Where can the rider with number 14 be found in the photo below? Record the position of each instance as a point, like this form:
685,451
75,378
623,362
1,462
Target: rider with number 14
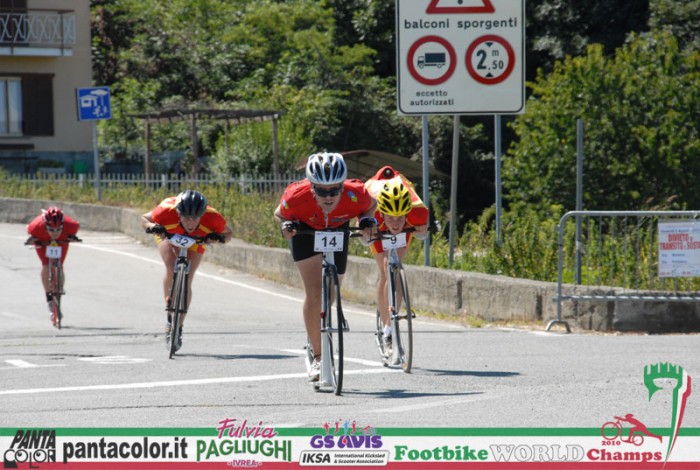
325,199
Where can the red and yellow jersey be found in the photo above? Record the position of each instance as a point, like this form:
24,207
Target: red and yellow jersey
419,214
166,215
37,229
298,204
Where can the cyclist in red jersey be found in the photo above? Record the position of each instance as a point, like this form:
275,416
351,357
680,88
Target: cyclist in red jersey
398,208
185,214
325,199
51,225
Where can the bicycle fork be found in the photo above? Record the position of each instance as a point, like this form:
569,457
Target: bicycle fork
394,317
326,351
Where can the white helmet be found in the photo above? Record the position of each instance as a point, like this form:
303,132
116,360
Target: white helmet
326,168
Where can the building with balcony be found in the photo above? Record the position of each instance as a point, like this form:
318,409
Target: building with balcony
44,58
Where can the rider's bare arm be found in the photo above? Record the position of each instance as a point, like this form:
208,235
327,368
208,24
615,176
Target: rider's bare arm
147,221
31,240
421,232
228,234
368,229
288,231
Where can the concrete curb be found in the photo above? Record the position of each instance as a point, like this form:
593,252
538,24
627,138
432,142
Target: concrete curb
451,293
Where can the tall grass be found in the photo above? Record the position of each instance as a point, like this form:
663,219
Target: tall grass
528,248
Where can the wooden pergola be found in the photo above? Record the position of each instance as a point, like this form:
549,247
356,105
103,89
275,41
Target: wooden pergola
193,115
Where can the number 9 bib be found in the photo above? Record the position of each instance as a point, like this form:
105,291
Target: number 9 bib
395,241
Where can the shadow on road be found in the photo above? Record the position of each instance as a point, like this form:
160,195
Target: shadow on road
461,373
228,357
401,393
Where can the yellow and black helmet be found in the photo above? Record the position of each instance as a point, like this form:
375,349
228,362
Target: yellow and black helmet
394,199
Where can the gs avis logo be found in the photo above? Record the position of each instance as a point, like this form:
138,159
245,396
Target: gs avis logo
347,436
32,446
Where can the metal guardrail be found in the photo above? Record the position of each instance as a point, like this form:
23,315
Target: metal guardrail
619,258
245,183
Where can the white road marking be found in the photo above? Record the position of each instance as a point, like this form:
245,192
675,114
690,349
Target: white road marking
345,359
249,287
20,364
199,273
24,318
114,360
179,383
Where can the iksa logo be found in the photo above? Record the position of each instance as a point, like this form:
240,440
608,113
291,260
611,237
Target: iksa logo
347,436
32,446
630,430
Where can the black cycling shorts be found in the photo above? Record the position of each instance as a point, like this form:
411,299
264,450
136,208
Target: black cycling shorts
302,247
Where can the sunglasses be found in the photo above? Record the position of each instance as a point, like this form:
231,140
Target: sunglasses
55,229
320,192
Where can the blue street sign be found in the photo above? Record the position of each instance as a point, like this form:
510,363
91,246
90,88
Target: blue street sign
93,104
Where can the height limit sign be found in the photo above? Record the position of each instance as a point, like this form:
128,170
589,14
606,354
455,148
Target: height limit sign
461,56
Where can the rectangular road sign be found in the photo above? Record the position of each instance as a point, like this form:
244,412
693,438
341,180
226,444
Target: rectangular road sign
460,56
94,103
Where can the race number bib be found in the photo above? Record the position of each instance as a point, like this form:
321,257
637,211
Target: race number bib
53,251
182,241
328,241
394,241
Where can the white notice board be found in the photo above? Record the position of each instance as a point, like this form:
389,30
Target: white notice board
679,249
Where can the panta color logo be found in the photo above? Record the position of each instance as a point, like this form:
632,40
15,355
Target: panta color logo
31,446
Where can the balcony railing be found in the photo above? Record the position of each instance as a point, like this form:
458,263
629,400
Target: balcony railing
37,32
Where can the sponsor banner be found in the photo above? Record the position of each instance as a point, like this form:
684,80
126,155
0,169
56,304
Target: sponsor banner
620,442
395,448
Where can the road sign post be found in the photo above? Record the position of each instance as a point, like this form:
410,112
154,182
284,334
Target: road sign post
94,105
460,56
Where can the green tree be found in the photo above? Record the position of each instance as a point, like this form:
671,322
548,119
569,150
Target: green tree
641,129
560,28
680,18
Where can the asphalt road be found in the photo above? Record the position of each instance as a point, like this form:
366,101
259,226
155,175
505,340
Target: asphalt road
242,357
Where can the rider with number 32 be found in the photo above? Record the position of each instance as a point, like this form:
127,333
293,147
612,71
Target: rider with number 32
185,214
325,199
398,208
51,225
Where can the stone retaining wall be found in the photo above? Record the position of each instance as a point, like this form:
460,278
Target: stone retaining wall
442,291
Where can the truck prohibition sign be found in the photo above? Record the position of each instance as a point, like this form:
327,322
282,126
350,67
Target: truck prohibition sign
432,59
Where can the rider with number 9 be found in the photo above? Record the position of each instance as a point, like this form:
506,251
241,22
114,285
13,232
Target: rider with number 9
185,214
398,208
325,199
51,225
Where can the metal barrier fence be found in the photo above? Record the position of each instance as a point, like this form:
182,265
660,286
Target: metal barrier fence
245,183
615,255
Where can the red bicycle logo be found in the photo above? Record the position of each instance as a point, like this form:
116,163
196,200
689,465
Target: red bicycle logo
613,430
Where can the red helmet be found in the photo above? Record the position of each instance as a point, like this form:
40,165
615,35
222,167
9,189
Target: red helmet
53,217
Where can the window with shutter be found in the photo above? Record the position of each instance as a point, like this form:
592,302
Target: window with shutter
37,104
